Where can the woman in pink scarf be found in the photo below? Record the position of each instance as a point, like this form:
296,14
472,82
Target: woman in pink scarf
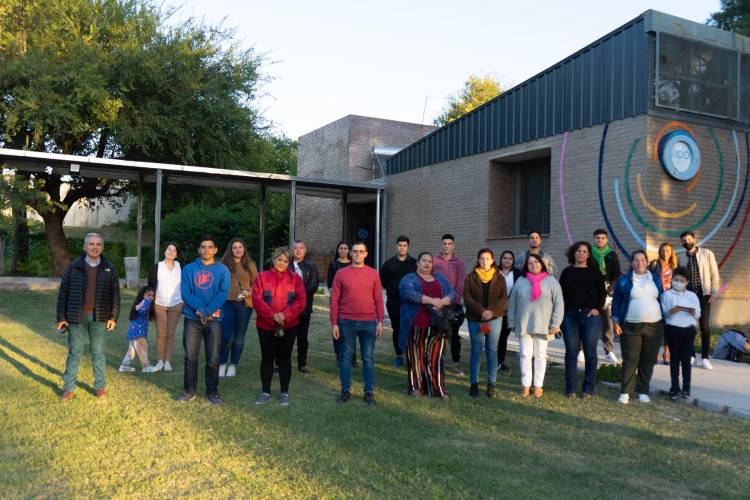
535,312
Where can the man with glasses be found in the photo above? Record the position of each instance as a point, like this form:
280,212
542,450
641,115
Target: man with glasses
357,313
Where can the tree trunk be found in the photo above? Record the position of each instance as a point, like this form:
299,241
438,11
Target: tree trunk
20,240
59,257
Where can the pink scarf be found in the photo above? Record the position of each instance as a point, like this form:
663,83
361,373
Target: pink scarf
536,284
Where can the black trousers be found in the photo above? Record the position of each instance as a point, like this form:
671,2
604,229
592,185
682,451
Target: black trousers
277,349
703,322
455,341
680,342
502,344
302,342
394,313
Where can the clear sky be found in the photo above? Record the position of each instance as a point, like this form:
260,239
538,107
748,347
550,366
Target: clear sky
327,59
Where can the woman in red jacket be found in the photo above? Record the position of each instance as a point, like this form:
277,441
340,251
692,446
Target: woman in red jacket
279,298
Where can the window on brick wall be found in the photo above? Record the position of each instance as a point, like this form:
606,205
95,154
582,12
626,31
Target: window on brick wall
531,196
519,194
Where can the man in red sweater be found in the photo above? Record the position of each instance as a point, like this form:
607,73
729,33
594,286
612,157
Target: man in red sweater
357,312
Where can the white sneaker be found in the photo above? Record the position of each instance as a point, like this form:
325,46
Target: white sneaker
231,371
167,366
126,369
159,366
222,370
612,357
692,361
148,369
706,364
581,357
643,398
623,399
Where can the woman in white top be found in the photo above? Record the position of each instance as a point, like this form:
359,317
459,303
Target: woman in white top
511,275
637,319
166,278
535,313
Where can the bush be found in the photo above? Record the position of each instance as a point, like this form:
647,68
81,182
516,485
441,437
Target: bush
610,373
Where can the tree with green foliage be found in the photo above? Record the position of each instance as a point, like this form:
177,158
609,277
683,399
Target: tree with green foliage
734,16
113,78
476,91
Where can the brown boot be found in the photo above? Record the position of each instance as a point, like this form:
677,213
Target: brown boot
538,392
525,392
67,396
100,393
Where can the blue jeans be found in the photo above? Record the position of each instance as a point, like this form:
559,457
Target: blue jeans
193,335
350,331
579,328
481,342
234,320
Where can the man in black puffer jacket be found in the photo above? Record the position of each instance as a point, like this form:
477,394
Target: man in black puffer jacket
309,274
88,303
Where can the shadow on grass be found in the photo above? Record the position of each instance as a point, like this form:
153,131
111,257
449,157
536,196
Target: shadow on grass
431,448
55,386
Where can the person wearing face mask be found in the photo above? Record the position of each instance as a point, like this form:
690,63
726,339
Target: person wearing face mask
704,281
681,312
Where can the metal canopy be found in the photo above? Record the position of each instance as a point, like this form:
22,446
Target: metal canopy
161,173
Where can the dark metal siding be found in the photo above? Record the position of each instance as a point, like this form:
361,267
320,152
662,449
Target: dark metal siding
606,81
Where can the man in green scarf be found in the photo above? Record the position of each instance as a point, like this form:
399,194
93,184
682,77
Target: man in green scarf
609,266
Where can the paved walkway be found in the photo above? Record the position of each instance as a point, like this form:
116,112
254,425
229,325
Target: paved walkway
17,283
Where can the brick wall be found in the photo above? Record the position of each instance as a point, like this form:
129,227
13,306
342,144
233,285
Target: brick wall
472,198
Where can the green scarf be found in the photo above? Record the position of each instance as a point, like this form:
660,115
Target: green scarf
599,255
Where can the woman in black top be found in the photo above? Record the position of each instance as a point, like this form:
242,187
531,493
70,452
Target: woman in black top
342,260
584,294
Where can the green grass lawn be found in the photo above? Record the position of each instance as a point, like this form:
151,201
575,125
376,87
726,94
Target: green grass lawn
138,441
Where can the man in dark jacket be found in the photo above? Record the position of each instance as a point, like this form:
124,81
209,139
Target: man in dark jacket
391,273
609,265
309,274
88,304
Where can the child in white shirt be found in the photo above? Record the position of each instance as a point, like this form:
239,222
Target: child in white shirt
681,309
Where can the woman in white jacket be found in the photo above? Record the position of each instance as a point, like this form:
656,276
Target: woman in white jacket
535,313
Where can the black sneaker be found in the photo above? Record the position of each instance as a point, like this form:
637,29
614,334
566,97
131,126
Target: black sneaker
186,397
343,397
474,390
491,392
304,369
685,394
214,399
674,394
504,369
369,399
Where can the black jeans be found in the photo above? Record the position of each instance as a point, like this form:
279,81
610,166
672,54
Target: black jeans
210,334
455,341
302,343
502,344
277,349
703,323
680,342
394,313
640,344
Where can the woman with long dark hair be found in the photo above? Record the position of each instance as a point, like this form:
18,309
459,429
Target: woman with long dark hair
421,292
584,294
238,308
511,275
486,299
664,266
166,278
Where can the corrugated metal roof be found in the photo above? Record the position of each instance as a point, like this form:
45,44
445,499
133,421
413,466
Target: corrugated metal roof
605,81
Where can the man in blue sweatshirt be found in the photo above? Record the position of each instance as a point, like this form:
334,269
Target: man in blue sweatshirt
205,286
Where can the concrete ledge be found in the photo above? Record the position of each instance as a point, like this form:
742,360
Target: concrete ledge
20,283
712,407
738,412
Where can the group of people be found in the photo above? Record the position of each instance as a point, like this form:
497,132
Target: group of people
427,299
